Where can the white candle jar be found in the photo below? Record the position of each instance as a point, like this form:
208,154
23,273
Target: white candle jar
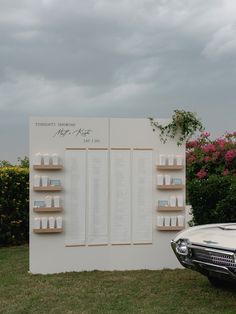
167,179
37,180
37,223
160,221
56,201
44,222
38,159
160,179
180,200
55,159
173,221
162,160
170,160
46,159
51,222
167,221
59,222
172,201
48,201
180,221
44,180
179,160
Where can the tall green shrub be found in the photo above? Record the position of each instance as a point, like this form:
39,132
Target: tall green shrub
14,205
213,200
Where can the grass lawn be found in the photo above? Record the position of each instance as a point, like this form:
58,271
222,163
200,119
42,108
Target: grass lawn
166,291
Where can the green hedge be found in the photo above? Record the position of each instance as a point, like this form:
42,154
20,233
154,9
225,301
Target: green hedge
213,200
14,205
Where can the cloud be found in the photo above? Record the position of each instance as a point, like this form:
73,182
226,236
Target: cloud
223,43
111,58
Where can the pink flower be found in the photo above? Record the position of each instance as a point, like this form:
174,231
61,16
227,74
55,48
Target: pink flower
221,143
225,172
207,158
192,144
215,156
191,159
201,174
209,148
230,155
205,134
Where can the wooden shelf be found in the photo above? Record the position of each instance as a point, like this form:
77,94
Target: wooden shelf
47,167
166,167
49,188
170,187
48,230
47,209
170,228
170,209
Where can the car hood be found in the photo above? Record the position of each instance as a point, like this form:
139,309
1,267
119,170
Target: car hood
217,235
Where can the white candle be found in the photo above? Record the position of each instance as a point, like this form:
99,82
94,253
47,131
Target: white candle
37,223
171,160
59,222
56,201
38,159
162,160
167,179
48,201
179,160
167,221
44,180
160,221
160,179
37,180
51,222
180,221
172,201
173,221
44,221
180,200
55,159
46,159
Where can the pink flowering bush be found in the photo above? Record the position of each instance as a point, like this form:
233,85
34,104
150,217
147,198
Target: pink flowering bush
211,178
206,157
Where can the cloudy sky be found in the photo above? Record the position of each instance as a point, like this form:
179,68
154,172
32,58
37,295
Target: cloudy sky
109,58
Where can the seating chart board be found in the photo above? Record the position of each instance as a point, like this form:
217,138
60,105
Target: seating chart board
105,194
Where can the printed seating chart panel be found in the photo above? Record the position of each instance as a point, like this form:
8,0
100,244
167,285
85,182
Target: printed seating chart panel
75,181
142,196
123,218
120,193
97,197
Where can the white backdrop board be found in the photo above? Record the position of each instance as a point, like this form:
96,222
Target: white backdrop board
106,181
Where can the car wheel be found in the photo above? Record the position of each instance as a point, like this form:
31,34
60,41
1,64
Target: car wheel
221,283
216,282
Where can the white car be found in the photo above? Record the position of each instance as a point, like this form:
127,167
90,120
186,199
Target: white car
210,250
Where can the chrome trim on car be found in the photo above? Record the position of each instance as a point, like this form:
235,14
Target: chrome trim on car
209,249
212,247
217,268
